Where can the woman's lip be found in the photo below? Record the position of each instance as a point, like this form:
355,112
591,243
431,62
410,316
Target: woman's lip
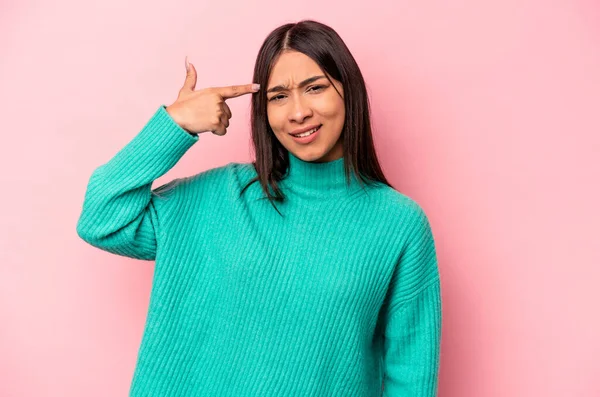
306,129
307,139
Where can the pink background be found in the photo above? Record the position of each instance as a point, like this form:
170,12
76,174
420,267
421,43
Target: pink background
486,113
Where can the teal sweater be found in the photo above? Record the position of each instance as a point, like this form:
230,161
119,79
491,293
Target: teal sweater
338,297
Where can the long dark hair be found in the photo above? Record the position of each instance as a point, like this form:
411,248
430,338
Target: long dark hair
322,44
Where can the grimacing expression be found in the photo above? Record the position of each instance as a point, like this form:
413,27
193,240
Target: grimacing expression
299,95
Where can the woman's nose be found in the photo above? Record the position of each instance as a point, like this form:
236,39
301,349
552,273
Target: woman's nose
299,110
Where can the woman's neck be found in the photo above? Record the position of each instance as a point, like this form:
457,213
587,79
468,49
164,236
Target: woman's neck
318,180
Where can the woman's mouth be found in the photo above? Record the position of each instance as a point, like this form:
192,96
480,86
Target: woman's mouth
308,136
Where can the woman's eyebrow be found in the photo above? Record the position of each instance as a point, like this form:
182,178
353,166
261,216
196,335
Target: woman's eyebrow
282,87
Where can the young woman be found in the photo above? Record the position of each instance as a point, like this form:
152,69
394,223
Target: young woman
303,273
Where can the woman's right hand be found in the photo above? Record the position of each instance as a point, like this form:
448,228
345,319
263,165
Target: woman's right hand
205,109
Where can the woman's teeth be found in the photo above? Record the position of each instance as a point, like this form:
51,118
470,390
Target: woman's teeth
307,133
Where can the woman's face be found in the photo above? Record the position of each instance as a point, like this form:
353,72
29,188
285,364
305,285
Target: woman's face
296,103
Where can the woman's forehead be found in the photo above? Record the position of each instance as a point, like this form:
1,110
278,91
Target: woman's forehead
293,68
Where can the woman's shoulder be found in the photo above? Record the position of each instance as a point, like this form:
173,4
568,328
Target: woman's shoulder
212,178
396,202
395,211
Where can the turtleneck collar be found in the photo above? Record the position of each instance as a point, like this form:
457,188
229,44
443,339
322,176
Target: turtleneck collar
318,180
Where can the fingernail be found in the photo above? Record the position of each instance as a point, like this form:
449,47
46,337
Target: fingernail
256,87
187,64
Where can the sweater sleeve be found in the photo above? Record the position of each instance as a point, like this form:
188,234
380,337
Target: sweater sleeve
413,318
119,213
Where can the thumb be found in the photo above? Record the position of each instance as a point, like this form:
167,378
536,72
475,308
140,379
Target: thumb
190,79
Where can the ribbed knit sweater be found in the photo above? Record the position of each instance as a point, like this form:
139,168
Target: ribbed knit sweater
338,297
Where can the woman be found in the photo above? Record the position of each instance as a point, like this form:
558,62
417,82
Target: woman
329,287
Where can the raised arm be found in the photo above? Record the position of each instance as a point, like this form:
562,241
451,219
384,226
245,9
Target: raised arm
119,210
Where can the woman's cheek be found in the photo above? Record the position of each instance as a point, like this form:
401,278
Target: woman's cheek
328,106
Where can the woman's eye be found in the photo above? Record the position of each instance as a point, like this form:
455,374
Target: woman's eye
275,98
314,88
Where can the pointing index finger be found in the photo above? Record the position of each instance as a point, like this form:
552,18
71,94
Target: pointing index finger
237,90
